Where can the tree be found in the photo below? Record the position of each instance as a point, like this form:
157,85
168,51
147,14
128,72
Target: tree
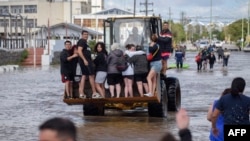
218,34
178,32
234,30
91,44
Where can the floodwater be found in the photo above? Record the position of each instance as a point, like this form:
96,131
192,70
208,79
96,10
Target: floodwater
29,96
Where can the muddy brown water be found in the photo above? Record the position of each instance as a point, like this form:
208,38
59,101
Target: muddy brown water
30,96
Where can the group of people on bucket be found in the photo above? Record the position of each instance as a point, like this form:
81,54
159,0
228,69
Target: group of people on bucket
232,108
207,56
139,69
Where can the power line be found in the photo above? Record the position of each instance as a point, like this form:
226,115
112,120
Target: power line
146,3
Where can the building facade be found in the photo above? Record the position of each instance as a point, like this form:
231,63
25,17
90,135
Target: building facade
20,18
95,21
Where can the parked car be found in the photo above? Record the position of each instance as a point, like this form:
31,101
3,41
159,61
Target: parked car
218,44
247,48
203,44
231,47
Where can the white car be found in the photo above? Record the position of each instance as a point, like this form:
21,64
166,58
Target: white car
203,44
218,44
247,48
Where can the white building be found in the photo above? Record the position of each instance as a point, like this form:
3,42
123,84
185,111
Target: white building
25,14
19,18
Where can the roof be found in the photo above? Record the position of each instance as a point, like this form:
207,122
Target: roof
77,28
114,11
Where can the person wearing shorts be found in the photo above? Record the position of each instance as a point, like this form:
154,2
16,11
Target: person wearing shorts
66,66
86,64
155,66
114,77
165,43
100,68
140,64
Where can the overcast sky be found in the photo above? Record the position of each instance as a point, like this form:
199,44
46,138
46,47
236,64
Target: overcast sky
227,10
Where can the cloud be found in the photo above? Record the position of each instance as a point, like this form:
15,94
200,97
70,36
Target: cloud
192,8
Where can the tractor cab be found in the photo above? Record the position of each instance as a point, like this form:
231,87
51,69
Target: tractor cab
130,30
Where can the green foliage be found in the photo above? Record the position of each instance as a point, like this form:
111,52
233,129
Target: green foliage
178,32
234,30
24,55
91,44
218,34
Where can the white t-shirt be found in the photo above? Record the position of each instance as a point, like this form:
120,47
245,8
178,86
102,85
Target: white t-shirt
130,69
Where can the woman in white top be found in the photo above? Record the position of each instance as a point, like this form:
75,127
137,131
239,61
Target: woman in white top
128,74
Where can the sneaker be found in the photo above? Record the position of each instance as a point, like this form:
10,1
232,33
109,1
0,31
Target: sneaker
148,95
96,95
83,96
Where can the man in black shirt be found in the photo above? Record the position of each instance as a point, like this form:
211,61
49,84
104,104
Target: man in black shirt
165,43
67,71
86,64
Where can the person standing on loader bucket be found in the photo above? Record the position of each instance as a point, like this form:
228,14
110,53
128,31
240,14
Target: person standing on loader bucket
165,43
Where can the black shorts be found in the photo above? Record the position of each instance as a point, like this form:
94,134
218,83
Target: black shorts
141,77
87,70
129,76
113,79
67,77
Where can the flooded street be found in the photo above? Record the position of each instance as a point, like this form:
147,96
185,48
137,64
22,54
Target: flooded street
30,96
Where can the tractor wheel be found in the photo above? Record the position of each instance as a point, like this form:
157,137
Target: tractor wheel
159,109
93,110
173,93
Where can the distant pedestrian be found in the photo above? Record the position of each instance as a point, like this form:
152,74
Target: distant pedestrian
226,55
220,121
198,60
179,57
234,107
212,60
204,58
220,53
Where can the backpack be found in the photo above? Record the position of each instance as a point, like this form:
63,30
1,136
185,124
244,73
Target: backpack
122,63
198,58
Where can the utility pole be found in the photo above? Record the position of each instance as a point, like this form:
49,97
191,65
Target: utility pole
71,11
146,7
134,7
242,33
210,32
96,19
248,12
169,17
50,1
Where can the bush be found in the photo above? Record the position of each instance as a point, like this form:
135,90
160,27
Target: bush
24,55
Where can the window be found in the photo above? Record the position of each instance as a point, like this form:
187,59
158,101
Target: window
30,9
77,22
16,22
86,23
93,23
100,22
16,9
2,22
85,8
31,23
4,9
